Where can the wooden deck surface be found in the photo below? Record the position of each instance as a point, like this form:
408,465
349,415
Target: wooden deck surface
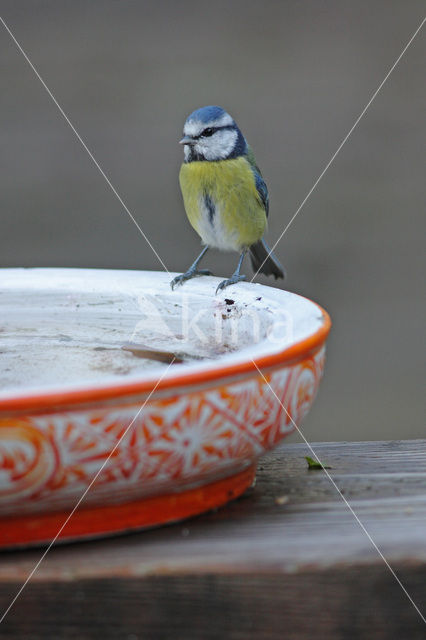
288,560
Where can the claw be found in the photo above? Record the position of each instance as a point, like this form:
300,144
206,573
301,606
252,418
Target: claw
232,280
191,273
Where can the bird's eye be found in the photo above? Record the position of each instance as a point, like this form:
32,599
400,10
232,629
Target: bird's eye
208,132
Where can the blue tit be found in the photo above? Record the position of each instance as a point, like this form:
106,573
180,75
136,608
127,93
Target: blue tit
225,197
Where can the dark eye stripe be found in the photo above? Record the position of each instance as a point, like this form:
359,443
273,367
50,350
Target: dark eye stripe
206,133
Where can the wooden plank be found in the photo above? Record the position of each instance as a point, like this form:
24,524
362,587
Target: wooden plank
256,568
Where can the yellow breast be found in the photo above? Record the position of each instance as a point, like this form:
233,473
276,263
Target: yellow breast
222,203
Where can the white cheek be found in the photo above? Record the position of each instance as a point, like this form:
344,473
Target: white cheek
218,146
186,151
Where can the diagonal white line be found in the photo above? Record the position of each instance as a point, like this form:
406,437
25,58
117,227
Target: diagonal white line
345,139
80,500
343,498
92,157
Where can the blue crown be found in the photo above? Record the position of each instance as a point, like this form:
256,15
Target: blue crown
207,114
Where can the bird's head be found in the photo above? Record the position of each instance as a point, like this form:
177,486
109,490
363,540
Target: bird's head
211,134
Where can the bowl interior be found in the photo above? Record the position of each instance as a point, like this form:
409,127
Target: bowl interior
66,328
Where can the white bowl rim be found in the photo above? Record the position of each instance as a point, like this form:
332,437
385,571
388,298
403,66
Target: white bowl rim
245,361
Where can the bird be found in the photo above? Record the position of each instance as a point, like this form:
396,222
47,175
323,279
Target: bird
225,196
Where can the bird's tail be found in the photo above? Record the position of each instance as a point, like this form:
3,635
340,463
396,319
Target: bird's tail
264,261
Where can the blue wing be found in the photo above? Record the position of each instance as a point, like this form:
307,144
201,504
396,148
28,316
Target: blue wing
262,190
261,187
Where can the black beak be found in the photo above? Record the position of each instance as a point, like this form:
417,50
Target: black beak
187,140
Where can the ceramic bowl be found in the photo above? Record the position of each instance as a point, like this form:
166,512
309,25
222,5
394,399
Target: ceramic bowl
194,428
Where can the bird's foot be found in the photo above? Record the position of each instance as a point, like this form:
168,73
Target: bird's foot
191,273
236,277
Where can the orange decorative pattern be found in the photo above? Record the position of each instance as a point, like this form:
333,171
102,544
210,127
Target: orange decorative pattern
145,513
175,443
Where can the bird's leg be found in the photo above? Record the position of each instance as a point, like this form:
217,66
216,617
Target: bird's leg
192,271
236,276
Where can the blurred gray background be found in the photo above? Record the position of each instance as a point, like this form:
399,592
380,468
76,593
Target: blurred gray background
295,75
